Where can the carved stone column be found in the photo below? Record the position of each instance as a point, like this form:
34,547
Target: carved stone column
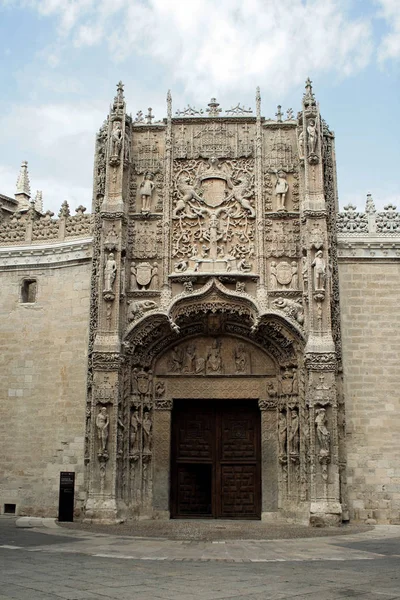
162,456
269,457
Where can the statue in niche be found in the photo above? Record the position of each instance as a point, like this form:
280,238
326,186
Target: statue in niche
146,191
319,271
134,432
295,275
241,359
133,277
110,272
188,193
116,139
146,427
304,273
282,433
176,359
294,432
300,141
281,189
323,435
155,282
102,424
273,281
311,136
214,358
189,364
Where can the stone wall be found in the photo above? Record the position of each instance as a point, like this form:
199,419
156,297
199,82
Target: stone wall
43,366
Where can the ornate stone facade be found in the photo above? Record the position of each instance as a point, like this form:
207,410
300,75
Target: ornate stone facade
214,241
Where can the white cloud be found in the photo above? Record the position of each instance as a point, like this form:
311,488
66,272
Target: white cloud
223,46
390,45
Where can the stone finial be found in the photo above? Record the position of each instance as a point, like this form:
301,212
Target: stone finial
120,92
23,183
370,204
39,201
308,97
64,210
169,105
279,114
213,108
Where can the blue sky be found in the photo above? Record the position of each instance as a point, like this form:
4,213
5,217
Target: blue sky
60,61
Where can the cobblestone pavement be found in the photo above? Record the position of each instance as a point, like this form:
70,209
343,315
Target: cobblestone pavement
73,564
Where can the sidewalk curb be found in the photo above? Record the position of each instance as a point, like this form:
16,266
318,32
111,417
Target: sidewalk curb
30,522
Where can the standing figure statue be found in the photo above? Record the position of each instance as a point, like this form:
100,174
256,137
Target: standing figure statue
319,271
133,280
102,424
300,142
311,136
273,281
294,432
110,271
146,191
323,435
155,280
116,140
282,433
146,425
281,189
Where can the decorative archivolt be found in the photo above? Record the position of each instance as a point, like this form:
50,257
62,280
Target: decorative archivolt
215,310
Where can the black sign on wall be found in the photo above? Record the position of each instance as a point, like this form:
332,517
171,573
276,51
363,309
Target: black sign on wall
66,497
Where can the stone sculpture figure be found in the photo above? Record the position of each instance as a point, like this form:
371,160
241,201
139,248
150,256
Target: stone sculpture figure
102,425
300,141
294,432
134,432
187,192
273,281
319,271
116,140
146,191
176,360
189,364
295,276
146,426
281,189
304,273
133,279
323,435
241,359
155,282
110,272
282,433
214,358
241,193
311,136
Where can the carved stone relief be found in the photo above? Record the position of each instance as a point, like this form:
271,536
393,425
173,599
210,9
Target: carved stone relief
213,226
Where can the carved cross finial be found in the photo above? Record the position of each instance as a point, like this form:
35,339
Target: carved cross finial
64,210
39,201
120,90
149,117
370,204
23,183
213,108
308,97
258,102
279,114
169,104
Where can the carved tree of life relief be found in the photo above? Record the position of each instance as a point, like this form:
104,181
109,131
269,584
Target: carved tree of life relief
213,216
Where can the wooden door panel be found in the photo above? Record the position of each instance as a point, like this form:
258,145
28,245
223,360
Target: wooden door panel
239,488
195,433
238,436
194,490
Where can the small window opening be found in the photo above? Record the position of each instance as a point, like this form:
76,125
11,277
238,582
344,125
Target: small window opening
28,290
9,509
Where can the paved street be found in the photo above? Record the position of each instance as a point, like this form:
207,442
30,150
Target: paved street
50,564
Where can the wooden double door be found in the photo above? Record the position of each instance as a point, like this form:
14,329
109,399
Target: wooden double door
216,465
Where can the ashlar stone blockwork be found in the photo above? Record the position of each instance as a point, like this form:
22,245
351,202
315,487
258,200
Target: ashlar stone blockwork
214,266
